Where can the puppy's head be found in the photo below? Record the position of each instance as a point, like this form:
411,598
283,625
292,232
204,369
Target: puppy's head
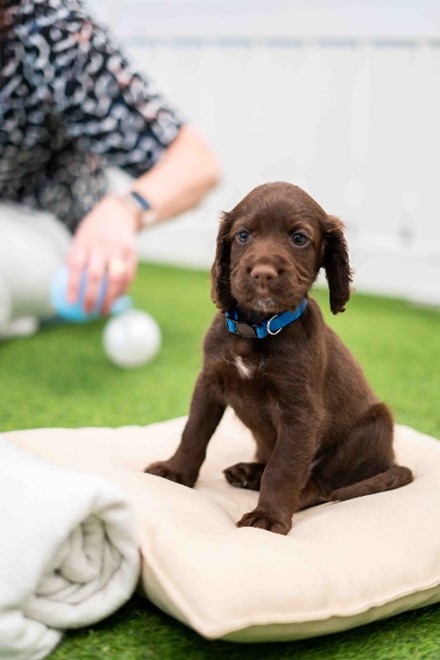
270,248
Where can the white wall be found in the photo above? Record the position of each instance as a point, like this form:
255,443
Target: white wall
341,99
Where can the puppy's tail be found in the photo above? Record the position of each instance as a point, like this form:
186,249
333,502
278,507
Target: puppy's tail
395,477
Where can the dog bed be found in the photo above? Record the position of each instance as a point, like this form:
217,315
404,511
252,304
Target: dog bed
342,565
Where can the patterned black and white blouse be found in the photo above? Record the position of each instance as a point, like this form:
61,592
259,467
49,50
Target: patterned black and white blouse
70,105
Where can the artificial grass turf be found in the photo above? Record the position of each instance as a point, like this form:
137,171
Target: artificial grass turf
61,377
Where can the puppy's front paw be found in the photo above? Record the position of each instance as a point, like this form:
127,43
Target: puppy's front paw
165,470
258,518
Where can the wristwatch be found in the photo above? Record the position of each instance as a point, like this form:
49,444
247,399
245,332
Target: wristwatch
140,206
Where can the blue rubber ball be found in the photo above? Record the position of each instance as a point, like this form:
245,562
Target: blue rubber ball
74,311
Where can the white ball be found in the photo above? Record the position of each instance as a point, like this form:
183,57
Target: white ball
131,339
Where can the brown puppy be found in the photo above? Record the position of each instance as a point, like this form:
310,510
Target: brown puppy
321,432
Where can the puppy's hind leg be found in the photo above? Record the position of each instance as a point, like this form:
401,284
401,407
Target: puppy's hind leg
395,477
248,475
363,463
245,475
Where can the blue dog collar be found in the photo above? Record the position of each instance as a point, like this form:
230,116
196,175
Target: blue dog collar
272,326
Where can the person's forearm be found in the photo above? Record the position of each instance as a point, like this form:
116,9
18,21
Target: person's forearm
186,172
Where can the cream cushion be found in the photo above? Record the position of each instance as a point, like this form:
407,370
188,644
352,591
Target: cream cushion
342,565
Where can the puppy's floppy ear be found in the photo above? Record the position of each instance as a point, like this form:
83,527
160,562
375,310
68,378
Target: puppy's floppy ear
336,264
220,271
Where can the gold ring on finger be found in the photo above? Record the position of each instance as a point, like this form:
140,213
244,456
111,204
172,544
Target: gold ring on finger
117,267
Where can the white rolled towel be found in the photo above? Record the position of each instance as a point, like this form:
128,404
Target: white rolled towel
69,552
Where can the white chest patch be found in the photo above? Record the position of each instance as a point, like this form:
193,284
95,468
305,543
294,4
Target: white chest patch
244,370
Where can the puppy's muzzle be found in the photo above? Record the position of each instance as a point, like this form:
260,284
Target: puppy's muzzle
259,284
263,275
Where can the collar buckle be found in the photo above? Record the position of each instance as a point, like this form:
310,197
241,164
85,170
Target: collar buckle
245,330
238,328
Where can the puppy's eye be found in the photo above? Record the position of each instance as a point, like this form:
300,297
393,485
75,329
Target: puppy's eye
242,236
299,239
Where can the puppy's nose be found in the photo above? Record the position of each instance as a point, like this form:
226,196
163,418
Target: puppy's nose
263,273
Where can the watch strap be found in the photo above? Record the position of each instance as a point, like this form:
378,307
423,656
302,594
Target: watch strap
142,203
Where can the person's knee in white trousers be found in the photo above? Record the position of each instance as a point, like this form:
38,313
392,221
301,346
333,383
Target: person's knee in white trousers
33,245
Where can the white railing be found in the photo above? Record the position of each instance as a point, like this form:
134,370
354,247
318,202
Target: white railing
353,121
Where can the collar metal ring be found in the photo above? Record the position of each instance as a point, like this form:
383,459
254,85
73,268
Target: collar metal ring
271,332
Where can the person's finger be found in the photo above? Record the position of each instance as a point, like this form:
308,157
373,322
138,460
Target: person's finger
95,278
132,262
125,275
117,279
76,263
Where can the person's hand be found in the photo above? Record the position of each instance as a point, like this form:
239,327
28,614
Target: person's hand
104,244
